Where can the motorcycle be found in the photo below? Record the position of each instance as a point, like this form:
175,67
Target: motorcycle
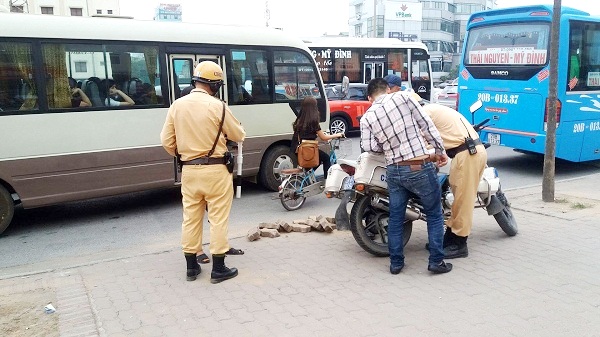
369,216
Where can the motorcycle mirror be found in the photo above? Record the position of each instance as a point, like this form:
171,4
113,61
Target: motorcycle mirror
345,85
476,106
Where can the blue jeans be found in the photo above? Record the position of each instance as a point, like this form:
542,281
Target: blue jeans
423,183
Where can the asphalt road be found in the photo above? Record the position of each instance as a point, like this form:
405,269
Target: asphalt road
80,233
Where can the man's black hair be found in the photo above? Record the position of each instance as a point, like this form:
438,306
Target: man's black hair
377,86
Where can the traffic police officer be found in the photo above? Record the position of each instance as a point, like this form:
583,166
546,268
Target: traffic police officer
466,170
190,130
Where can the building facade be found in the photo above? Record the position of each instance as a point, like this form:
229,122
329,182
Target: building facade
63,7
439,24
168,12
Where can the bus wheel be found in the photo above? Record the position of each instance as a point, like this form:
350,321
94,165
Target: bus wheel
276,159
7,209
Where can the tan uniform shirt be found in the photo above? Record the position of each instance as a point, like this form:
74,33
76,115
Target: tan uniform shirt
192,125
453,126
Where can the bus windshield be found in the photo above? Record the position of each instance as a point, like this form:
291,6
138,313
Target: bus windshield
508,44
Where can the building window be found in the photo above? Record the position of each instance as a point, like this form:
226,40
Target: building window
358,11
380,25
358,30
16,9
109,11
47,10
80,67
98,11
76,12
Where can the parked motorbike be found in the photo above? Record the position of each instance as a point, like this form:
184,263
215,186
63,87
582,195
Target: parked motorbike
369,216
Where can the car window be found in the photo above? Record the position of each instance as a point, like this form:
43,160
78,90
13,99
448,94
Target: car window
356,94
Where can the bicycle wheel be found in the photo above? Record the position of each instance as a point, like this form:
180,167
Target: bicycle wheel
291,195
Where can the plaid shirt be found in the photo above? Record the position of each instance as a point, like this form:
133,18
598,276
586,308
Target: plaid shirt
397,126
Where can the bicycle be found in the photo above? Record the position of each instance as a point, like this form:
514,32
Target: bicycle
299,183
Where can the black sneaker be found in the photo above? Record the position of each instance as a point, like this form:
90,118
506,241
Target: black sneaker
441,268
395,270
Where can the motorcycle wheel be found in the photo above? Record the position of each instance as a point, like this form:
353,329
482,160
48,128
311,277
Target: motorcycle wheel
369,227
289,196
505,218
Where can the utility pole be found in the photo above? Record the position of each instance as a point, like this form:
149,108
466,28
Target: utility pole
551,106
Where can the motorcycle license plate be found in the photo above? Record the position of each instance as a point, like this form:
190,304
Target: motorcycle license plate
493,138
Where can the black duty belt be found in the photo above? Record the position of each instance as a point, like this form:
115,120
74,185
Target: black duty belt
204,161
462,147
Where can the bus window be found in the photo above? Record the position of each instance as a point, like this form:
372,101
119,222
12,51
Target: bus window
294,77
17,85
584,59
250,77
134,70
76,74
347,63
520,44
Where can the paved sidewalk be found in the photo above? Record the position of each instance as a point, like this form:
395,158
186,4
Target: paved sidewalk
543,282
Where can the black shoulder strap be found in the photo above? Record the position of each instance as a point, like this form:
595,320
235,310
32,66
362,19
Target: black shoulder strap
218,134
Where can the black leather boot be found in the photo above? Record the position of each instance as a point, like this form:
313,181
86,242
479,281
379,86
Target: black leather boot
193,268
220,272
449,237
457,249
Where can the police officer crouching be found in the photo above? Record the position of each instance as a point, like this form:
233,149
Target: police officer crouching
197,128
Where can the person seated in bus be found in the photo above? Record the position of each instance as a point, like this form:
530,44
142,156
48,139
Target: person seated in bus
574,66
307,127
114,96
78,97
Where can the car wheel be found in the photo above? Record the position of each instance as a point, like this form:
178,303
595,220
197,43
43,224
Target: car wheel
338,125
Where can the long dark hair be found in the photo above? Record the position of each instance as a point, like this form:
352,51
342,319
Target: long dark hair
308,120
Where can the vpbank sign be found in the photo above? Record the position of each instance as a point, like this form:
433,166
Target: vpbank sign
403,11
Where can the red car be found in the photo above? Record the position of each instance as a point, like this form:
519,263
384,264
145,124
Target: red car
345,111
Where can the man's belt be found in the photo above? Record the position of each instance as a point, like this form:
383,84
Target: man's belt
428,159
204,161
462,147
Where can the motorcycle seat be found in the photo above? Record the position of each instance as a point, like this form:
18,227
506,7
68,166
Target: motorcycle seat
347,162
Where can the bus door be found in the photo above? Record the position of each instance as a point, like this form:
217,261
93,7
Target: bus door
181,69
420,73
372,70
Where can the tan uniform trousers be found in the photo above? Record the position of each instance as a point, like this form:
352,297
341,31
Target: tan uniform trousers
203,185
465,173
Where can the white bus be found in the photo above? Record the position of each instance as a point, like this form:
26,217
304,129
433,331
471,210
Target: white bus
362,59
59,147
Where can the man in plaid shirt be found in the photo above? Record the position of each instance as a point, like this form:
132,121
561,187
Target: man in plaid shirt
396,126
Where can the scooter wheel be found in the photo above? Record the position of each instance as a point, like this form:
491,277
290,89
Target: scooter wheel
369,227
505,218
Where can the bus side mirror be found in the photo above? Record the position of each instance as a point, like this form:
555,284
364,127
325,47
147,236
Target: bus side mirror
476,106
345,85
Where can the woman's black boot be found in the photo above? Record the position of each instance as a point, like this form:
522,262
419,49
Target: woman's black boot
220,272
